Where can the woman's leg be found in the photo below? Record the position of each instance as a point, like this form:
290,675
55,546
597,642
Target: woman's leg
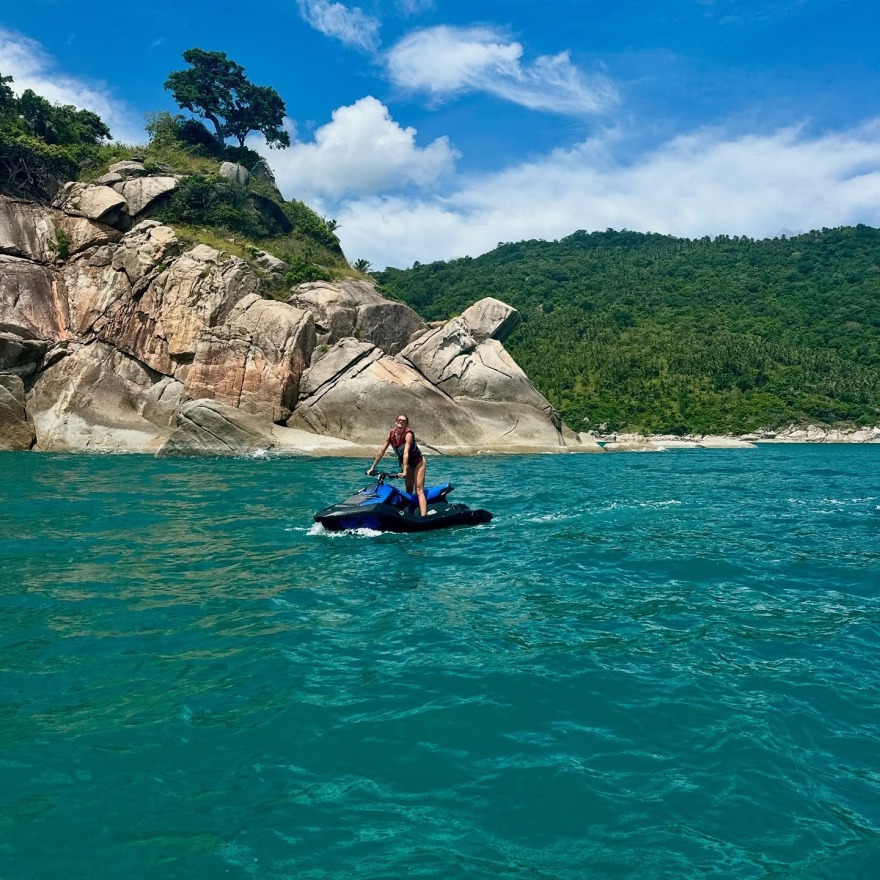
421,469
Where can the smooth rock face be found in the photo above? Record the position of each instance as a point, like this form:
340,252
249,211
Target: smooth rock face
360,402
91,201
160,403
33,302
141,192
355,308
92,400
255,360
16,429
232,171
491,319
27,231
206,427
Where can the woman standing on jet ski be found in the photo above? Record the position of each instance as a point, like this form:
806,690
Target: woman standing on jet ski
413,466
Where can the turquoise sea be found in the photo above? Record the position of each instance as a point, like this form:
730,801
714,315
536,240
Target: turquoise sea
646,666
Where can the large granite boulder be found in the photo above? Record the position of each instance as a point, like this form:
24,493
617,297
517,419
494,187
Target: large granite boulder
355,390
355,308
44,235
26,231
255,360
263,173
33,302
128,168
16,428
140,193
21,354
92,400
160,403
94,202
148,245
207,427
491,319
485,381
234,172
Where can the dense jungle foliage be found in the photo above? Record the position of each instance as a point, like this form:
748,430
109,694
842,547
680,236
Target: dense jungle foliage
624,330
43,145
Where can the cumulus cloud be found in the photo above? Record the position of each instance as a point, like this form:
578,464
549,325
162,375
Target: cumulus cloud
446,61
351,26
361,151
695,185
31,68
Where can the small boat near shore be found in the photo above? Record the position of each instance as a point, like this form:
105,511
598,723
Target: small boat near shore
386,508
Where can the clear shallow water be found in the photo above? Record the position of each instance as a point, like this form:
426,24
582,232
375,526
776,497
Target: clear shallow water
648,665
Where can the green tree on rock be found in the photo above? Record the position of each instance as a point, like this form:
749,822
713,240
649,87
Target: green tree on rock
215,88
60,123
7,96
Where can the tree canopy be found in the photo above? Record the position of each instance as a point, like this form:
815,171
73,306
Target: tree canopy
215,88
41,143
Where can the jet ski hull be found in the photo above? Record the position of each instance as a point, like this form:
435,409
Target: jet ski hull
390,518
385,508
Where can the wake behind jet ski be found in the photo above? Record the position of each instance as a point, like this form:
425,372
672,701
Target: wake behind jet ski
385,508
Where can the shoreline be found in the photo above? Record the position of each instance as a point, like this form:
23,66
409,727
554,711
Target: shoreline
811,434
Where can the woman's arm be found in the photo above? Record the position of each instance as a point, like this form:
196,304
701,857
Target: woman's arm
379,454
409,439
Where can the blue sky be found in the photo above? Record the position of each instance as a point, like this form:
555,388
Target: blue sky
434,129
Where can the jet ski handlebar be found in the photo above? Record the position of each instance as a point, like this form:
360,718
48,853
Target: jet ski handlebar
381,476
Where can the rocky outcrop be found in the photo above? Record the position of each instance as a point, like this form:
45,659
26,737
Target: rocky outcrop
16,428
141,193
358,391
491,319
92,201
478,374
234,172
816,434
115,336
355,308
255,360
20,354
206,427
93,400
160,320
43,235
33,302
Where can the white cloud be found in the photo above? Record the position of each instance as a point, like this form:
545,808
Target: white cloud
31,68
351,26
362,151
445,61
695,185
413,7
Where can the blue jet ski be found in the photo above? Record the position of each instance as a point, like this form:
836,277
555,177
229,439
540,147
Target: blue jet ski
386,508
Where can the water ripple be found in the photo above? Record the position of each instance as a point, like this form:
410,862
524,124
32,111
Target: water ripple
644,666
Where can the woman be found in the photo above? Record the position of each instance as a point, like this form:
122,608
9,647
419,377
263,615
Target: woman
412,463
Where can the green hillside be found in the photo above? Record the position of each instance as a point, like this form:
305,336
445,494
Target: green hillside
661,334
